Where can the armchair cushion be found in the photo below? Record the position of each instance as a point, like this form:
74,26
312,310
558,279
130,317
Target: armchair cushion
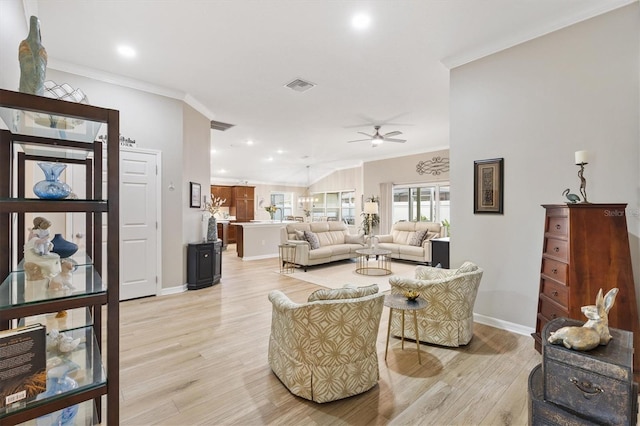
343,293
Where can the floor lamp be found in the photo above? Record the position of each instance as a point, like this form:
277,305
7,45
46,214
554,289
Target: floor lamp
370,208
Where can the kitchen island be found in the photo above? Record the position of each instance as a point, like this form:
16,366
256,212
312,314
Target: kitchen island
258,239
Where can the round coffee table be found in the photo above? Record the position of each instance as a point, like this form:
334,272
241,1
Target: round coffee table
398,301
379,267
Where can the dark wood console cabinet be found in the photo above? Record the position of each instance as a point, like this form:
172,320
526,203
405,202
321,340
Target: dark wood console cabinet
204,264
440,252
585,248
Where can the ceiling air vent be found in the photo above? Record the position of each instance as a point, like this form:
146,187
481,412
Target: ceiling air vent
218,125
300,85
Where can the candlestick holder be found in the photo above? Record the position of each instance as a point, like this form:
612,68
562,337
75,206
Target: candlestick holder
583,182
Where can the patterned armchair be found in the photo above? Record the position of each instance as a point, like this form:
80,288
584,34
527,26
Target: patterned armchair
325,349
451,293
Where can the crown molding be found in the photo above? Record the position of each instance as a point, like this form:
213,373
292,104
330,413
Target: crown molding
471,55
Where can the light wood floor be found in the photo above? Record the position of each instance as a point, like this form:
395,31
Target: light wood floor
200,358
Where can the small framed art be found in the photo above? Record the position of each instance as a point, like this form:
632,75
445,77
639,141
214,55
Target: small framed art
488,186
196,195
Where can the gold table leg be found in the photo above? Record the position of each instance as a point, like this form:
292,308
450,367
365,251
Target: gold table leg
402,339
415,324
388,332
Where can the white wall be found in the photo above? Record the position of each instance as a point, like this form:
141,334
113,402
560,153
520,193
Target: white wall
13,29
535,105
155,122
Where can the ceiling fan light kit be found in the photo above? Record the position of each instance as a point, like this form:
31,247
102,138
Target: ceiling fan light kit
377,138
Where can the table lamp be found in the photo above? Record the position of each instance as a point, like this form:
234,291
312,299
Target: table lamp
370,208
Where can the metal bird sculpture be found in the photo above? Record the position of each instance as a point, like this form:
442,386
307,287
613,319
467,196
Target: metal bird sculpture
573,198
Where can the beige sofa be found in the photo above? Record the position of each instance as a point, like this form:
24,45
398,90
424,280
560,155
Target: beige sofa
333,242
405,240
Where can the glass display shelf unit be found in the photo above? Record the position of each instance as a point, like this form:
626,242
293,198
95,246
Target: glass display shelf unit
69,319
25,121
83,366
26,205
85,417
16,290
79,258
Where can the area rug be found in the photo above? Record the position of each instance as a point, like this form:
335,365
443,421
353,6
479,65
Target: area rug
337,274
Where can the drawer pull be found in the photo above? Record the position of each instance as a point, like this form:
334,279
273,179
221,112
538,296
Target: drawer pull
206,255
587,388
558,226
556,249
554,270
553,316
554,293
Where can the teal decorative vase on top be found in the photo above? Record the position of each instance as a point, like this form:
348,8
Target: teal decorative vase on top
51,188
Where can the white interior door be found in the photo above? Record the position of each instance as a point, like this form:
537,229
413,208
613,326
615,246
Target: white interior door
139,223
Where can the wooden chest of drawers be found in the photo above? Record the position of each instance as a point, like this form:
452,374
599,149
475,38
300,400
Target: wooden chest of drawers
597,384
585,248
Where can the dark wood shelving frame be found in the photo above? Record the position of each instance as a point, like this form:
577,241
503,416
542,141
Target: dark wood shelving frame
12,167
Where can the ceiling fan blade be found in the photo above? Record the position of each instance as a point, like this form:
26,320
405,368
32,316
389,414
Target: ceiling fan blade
394,133
366,134
360,140
395,140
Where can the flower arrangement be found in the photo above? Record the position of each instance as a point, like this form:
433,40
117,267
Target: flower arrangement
271,209
213,206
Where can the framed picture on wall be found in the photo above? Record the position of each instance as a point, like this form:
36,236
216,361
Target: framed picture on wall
488,186
196,195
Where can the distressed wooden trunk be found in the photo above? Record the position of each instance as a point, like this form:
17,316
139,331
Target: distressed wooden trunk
546,413
594,385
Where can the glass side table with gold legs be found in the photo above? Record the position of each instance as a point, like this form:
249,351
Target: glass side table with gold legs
398,301
287,258
379,266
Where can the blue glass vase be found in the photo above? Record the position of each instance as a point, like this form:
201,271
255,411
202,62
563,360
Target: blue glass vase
51,188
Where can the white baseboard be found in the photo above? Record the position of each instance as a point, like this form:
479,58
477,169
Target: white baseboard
174,290
263,256
503,325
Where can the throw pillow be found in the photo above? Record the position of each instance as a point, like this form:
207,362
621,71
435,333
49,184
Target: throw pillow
343,293
299,234
418,237
312,239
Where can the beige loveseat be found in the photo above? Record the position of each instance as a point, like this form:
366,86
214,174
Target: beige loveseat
325,349
411,240
333,242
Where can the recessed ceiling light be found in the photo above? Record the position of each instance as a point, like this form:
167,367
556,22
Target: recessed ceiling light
126,51
280,151
270,159
249,142
361,21
222,171
213,151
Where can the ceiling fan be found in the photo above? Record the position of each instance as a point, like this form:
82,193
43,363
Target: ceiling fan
377,138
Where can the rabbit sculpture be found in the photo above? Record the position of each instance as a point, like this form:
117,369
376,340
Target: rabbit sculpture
594,332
